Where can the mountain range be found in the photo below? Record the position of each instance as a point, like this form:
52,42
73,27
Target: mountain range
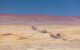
38,19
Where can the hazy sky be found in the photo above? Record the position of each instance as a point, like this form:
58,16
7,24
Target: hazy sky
47,7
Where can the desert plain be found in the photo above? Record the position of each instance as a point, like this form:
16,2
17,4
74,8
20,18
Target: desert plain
23,37
65,36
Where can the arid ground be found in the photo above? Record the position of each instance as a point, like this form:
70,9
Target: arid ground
39,32
25,37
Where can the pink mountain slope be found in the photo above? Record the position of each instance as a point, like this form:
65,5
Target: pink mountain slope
38,19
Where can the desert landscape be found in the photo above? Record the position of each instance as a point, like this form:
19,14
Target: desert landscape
39,32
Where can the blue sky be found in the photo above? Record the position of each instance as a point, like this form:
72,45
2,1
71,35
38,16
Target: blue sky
46,7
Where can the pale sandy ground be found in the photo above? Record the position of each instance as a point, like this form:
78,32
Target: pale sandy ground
23,37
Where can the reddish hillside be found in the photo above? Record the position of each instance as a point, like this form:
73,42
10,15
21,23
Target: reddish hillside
37,19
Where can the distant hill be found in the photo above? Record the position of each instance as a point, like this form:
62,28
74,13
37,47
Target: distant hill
38,19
